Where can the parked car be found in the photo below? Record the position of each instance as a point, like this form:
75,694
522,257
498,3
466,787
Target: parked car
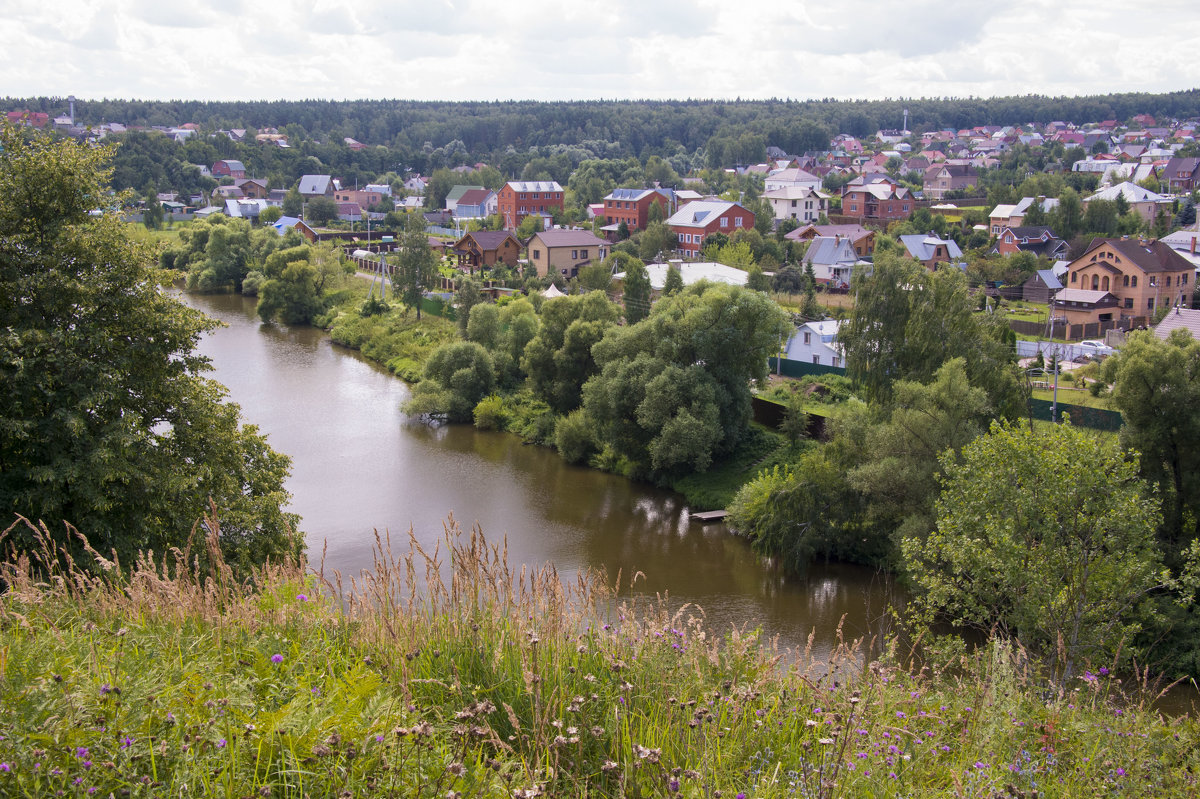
1095,348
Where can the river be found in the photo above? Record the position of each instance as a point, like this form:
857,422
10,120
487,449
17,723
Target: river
360,465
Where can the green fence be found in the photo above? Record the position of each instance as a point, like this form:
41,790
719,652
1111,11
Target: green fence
1081,416
802,369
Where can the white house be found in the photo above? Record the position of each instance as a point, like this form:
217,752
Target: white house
816,342
797,202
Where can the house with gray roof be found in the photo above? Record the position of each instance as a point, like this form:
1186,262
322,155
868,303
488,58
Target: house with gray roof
316,186
931,250
833,260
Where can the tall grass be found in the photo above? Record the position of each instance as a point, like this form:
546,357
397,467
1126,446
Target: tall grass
452,672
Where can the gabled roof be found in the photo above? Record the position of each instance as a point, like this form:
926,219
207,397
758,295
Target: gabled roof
234,166
489,239
456,193
1179,318
568,238
1050,279
700,213
828,250
922,247
474,197
1132,192
315,184
854,233
794,192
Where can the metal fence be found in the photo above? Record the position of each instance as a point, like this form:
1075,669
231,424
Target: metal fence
790,368
1081,416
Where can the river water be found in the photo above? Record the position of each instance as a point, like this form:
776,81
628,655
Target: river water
359,465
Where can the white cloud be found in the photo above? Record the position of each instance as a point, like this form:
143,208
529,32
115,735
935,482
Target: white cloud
547,49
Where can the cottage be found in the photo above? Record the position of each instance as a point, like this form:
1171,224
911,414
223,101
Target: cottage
521,198
565,252
480,249
1142,275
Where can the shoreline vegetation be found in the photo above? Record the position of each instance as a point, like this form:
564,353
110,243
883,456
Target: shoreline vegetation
450,673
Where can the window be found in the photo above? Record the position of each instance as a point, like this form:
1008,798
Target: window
1129,302
1095,282
537,254
574,255
807,337
836,361
906,208
1150,304
583,254
1104,284
1073,276
737,222
1133,281
1126,283
817,359
1185,280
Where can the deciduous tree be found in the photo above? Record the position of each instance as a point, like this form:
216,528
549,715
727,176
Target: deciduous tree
106,419
1048,537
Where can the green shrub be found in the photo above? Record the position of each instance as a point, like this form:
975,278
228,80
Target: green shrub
490,413
573,436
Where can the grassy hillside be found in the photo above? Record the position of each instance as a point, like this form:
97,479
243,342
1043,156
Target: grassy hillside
452,674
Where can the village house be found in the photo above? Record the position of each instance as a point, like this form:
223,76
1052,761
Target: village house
878,201
861,239
1145,203
475,204
316,186
521,198
697,220
816,342
931,250
632,206
833,261
1013,216
253,188
482,249
791,178
227,168
1180,175
1037,239
456,192
691,272
801,203
1141,275
941,179
565,252
364,198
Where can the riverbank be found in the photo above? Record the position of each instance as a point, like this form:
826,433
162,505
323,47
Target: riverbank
461,676
397,341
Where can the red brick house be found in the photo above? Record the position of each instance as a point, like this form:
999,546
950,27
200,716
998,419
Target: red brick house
1143,275
877,201
227,168
480,249
696,220
632,206
1037,239
521,198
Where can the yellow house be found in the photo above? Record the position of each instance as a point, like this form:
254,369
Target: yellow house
1142,275
565,251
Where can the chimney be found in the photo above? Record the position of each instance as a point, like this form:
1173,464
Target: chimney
1193,245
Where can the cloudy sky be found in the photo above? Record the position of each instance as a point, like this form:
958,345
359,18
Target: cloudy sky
592,49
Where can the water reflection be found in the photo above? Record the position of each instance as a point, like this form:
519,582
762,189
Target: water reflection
360,465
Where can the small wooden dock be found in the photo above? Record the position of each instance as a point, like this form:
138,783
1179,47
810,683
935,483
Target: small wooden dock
710,516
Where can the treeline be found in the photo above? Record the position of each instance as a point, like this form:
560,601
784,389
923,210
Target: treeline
640,127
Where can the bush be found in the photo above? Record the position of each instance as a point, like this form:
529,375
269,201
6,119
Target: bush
490,413
573,437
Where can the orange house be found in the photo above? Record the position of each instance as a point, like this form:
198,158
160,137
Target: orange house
521,198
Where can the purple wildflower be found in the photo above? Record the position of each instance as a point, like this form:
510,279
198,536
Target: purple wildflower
81,752
1103,672
276,658
5,767
1120,772
899,714
221,744
126,742
741,795
301,597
